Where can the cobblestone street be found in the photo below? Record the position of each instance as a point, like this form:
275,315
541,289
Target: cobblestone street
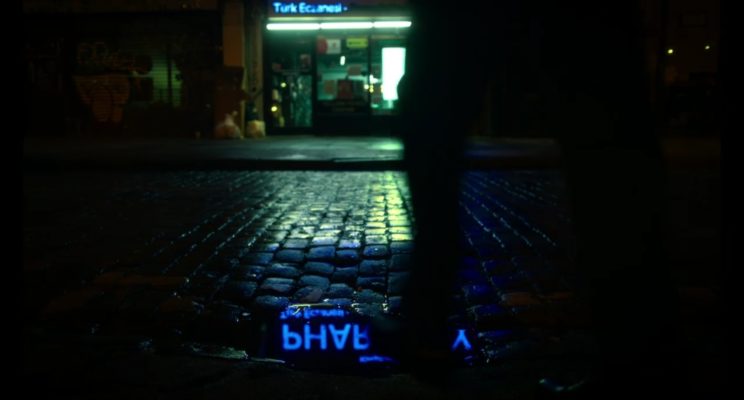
193,263
373,200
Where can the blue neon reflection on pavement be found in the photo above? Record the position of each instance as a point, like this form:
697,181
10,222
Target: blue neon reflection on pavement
294,340
375,359
309,330
461,340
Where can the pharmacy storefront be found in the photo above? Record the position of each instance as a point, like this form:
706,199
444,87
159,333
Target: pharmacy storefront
333,67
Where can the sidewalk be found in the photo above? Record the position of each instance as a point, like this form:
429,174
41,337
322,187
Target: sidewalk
281,152
316,152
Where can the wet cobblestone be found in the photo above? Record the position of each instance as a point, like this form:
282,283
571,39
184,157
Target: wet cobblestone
319,268
211,248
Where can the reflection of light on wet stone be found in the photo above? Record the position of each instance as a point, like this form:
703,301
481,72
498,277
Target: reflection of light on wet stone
349,244
369,309
315,281
292,256
321,253
300,234
337,290
283,270
371,282
376,251
277,285
251,272
272,302
259,258
376,359
345,274
400,237
351,240
461,341
341,302
339,216
309,294
376,239
401,247
324,336
399,222
330,228
368,296
319,268
324,241
266,247
347,257
274,235
295,244
372,267
294,157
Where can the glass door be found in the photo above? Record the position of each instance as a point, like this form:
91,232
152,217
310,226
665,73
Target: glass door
343,75
388,60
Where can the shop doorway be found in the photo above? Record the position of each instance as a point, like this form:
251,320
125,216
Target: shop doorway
341,83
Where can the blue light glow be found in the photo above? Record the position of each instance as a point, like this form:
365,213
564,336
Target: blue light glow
361,339
461,340
292,341
305,8
340,336
375,359
299,312
320,336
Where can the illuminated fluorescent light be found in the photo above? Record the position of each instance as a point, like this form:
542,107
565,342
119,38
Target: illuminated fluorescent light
292,27
392,24
346,25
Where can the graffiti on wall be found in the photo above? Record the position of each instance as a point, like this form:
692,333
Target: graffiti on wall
105,95
107,79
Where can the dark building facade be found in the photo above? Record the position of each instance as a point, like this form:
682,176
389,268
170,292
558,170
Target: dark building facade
121,68
175,68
